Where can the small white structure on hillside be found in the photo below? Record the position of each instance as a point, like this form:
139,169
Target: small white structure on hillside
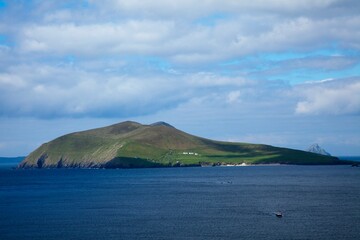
190,153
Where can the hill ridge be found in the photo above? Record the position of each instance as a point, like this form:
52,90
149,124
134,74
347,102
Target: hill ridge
131,144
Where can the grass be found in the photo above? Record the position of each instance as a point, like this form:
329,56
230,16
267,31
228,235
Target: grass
131,144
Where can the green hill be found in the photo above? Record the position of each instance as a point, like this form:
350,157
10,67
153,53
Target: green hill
130,144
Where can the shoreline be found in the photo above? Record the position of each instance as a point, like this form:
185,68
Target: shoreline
251,165
182,166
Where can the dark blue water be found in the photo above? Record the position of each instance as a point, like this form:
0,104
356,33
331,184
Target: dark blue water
10,161
350,158
318,202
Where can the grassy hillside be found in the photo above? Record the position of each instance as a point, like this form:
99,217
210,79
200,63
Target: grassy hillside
130,144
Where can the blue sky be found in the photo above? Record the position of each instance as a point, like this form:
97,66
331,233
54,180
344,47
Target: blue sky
285,73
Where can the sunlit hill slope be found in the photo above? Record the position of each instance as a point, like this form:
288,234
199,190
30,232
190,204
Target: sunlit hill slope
132,145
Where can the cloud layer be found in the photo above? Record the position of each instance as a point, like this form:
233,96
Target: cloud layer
188,42
128,58
254,61
340,98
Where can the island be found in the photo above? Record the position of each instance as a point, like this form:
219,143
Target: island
134,145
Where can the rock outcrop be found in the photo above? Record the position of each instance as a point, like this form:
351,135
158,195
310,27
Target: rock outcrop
315,148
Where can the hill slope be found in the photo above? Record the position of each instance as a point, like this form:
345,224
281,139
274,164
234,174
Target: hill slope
131,144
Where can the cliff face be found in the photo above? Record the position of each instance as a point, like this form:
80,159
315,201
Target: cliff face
130,144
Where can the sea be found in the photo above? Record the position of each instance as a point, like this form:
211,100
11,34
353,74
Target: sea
317,202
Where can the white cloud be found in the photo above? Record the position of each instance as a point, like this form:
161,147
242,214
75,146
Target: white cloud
330,99
134,36
190,8
12,81
59,16
98,80
208,79
185,42
64,91
301,34
233,97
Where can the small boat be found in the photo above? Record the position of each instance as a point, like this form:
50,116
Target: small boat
278,214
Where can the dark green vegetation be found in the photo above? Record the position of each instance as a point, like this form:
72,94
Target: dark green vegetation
130,145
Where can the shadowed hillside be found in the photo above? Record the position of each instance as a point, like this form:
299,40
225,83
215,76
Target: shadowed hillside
131,144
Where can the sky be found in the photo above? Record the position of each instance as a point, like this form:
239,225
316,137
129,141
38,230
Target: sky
278,72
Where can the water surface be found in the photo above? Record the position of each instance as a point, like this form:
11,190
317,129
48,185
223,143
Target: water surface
318,202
